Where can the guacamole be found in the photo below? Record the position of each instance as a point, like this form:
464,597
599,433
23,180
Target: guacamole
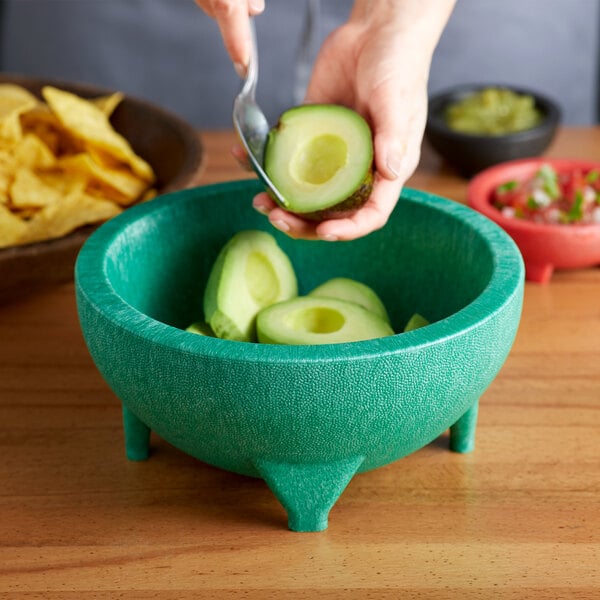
493,111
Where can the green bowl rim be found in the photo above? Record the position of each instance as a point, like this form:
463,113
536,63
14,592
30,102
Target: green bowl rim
93,284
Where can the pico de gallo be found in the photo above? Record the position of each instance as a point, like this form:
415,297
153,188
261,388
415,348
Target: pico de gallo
551,196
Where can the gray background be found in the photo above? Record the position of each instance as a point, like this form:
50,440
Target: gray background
169,52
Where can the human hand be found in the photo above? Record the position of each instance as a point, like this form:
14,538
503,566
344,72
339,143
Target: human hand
378,64
233,19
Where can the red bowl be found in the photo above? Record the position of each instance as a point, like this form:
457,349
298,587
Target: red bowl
544,247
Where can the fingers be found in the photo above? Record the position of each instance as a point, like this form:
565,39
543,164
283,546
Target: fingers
286,222
241,157
263,203
292,225
371,217
232,17
255,7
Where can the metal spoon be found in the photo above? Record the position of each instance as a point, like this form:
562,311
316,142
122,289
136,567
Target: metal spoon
250,122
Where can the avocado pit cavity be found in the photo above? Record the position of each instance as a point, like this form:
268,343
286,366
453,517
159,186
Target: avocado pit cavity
316,319
319,159
262,281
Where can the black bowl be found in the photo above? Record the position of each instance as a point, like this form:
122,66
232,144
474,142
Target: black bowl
469,153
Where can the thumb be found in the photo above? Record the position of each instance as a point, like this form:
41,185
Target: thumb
389,137
399,117
389,153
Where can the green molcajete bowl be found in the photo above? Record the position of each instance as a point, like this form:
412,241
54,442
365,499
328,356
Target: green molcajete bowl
304,418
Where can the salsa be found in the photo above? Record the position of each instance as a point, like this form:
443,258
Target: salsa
552,197
493,111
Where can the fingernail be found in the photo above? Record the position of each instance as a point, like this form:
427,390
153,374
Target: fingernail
394,164
256,6
281,225
329,237
262,209
240,69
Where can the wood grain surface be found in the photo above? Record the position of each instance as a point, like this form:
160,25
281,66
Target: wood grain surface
518,518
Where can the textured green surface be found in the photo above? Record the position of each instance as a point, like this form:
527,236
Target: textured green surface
140,279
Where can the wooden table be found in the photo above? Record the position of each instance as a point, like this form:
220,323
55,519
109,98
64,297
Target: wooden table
518,518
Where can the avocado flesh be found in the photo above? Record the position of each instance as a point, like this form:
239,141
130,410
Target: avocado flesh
200,328
250,273
320,157
344,288
308,320
416,322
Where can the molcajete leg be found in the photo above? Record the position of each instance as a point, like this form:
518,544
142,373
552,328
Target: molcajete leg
462,433
137,436
308,491
540,273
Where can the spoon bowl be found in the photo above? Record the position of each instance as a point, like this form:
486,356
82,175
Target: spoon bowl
250,122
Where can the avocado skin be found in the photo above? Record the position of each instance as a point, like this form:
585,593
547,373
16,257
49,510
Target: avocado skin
348,206
343,209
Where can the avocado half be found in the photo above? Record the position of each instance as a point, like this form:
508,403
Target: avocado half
251,272
311,320
320,157
344,288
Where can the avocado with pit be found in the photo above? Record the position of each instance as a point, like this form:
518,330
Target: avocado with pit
250,273
320,157
351,290
307,320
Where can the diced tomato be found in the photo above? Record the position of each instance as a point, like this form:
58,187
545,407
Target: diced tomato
551,197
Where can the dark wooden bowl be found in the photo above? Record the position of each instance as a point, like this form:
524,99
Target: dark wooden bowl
170,145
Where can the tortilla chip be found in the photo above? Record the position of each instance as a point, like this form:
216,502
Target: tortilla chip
14,100
62,165
45,125
33,153
72,212
12,228
107,104
128,188
87,122
28,190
